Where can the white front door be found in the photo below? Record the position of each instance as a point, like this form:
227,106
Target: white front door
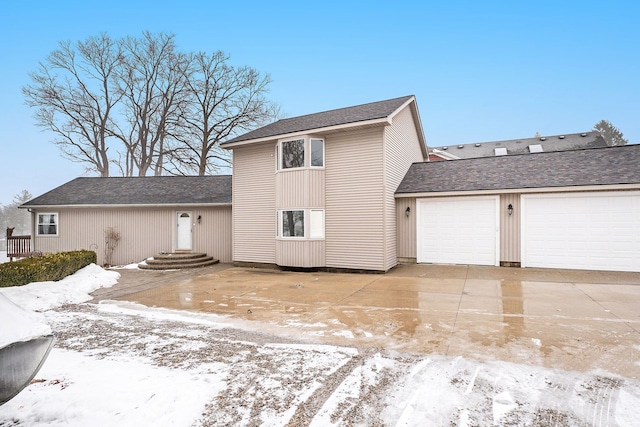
184,225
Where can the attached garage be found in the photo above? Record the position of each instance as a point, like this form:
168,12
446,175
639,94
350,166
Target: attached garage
458,230
571,209
589,231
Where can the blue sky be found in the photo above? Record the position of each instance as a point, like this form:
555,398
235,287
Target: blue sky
481,71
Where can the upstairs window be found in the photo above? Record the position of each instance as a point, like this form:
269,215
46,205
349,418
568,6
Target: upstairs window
48,224
293,154
317,152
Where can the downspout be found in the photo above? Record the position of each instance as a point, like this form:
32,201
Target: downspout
33,229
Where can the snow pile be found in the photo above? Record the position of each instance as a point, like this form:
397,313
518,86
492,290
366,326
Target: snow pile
19,325
74,289
77,390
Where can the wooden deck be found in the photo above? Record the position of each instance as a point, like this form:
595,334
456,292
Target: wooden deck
18,246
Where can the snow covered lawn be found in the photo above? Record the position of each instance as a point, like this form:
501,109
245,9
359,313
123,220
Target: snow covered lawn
124,364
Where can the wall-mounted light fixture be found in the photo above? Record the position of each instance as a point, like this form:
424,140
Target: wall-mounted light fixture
200,218
510,209
407,211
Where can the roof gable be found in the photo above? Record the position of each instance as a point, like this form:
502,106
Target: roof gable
598,166
153,190
342,116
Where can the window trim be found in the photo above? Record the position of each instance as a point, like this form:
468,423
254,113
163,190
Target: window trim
57,224
308,224
307,159
322,233
281,224
311,153
304,154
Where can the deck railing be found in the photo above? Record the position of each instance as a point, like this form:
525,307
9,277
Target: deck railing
17,246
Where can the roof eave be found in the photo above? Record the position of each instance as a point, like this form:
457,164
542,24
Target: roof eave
562,189
137,205
384,121
445,155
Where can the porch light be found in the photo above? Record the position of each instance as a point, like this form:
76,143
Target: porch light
407,211
510,209
200,218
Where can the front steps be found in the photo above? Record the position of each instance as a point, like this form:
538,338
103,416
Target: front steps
175,261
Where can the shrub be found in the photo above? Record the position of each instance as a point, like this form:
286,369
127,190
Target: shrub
46,268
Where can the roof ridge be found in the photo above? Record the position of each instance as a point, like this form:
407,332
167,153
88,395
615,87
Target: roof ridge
529,154
344,116
520,139
345,108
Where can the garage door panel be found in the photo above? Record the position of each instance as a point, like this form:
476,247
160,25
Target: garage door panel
458,230
596,231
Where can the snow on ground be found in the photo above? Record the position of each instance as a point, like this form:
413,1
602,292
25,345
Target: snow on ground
72,289
124,364
3,257
18,324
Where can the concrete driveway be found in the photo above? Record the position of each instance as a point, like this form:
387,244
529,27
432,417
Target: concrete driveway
567,319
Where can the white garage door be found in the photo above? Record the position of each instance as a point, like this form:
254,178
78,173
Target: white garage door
460,230
591,231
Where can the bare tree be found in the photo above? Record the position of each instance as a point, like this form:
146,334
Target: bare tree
19,219
152,83
160,110
224,101
72,91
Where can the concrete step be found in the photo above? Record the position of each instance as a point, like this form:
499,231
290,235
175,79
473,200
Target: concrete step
173,261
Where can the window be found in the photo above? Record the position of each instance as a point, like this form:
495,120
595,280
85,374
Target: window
292,223
48,224
293,154
317,152
317,224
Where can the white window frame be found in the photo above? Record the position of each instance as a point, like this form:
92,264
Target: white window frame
309,224
313,223
57,224
281,156
307,160
281,220
310,153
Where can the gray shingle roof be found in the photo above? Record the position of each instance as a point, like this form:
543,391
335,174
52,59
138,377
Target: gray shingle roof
341,116
598,166
152,190
575,141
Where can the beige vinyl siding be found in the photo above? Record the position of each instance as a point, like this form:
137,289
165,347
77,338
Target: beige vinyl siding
354,216
406,229
254,209
303,188
300,253
510,228
402,148
144,232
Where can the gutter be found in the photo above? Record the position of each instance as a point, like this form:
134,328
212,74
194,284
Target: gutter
111,206
571,189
